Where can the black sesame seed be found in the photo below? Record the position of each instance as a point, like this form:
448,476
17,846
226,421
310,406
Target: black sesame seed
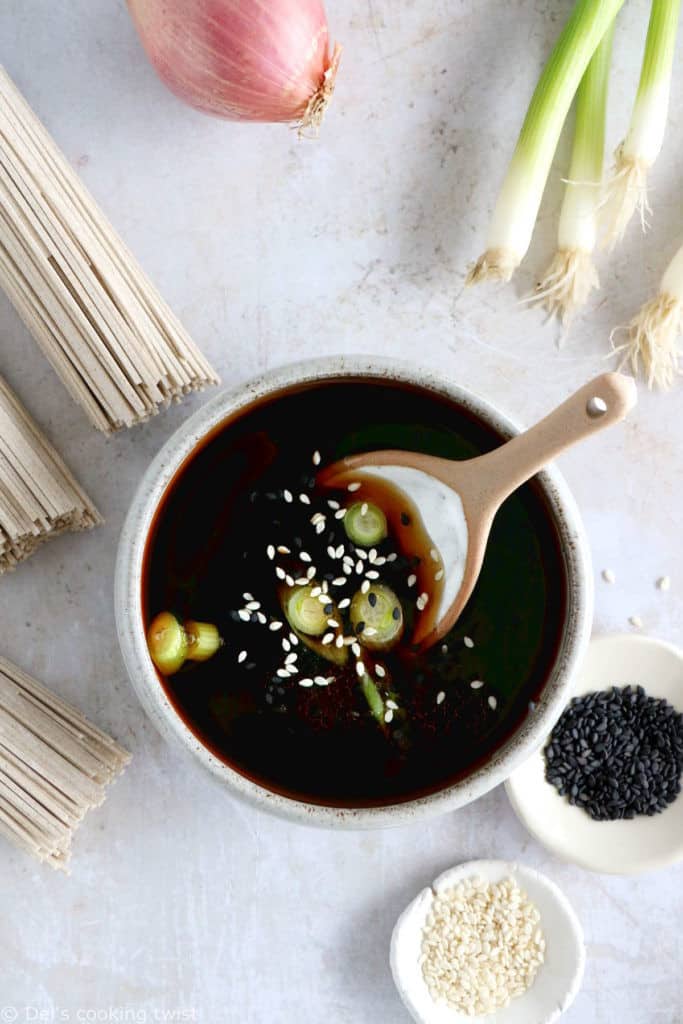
617,754
360,626
396,614
372,599
405,519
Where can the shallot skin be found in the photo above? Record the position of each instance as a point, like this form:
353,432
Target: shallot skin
243,60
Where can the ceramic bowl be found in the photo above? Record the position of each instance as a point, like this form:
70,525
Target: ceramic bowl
611,847
558,978
129,612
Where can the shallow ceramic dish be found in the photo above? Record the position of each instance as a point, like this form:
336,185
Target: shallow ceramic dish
129,600
557,981
611,847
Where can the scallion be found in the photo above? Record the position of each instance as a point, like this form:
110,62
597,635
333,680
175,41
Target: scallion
365,524
373,698
304,611
377,618
520,197
627,189
571,276
203,640
167,643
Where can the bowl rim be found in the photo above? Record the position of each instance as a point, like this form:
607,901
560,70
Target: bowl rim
128,604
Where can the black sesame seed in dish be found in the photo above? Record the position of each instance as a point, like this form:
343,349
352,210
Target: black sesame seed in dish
617,753
318,721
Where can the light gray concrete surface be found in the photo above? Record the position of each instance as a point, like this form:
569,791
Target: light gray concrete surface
183,905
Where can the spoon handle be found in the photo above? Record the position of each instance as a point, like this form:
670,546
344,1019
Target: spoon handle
602,402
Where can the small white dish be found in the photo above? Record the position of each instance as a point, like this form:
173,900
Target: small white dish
612,847
558,979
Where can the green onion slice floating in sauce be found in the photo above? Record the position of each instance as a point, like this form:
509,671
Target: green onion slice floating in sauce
373,697
305,613
365,524
167,643
203,640
377,618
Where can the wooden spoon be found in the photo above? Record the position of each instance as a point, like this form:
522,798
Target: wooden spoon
481,485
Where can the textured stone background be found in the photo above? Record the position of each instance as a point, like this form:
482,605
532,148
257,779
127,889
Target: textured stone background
269,249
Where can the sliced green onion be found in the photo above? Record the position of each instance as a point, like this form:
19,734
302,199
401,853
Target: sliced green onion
653,334
377,617
373,697
307,618
304,612
627,189
520,197
203,640
167,643
365,524
571,276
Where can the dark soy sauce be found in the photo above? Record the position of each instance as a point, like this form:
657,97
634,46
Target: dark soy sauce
207,548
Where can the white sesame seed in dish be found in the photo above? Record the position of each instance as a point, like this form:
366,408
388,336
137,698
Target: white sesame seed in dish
316,458
288,496
355,486
492,703
440,697
436,944
468,641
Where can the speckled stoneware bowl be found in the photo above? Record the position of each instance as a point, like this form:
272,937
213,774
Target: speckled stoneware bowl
129,610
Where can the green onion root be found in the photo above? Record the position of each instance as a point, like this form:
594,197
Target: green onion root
627,189
652,344
373,698
520,197
167,643
203,640
572,276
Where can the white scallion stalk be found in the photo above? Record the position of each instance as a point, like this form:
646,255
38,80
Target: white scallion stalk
571,276
627,189
520,197
654,332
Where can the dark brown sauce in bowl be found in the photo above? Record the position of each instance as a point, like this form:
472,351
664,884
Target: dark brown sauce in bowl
320,744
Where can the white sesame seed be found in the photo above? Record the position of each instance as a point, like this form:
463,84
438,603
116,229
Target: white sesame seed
333,623
305,557
434,555
438,575
316,517
440,697
289,580
412,579
388,716
339,551
380,560
333,504
636,621
288,496
306,682
286,646
282,673
364,508
492,703
369,631
316,591
328,638
275,625
468,641
340,513
301,581
380,671
322,681
292,670
323,598
360,668
293,638
349,641
392,557
247,596
355,486
270,551
339,581
444,648
261,617
304,499
664,583
421,602
283,549
355,648
242,656
320,526
372,554
316,458
477,684
253,606
361,554
365,586
291,658
331,551
280,573
392,704
244,615
310,572
339,642
348,569
360,568
372,574
344,603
